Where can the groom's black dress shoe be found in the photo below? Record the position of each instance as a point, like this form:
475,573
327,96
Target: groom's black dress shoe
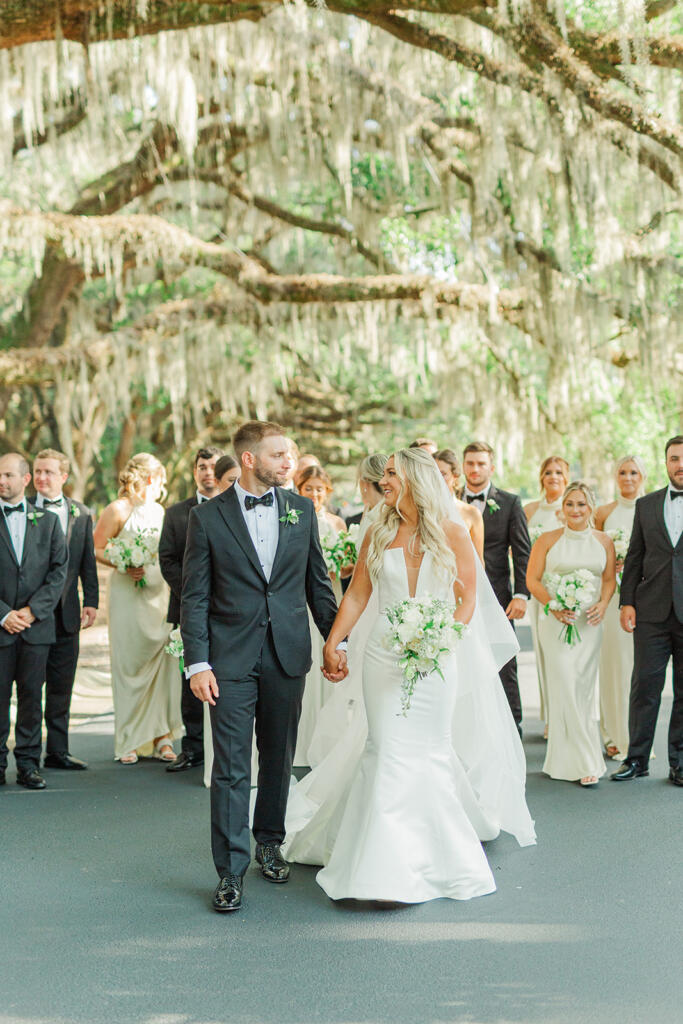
274,867
228,894
73,764
676,775
31,779
630,769
184,761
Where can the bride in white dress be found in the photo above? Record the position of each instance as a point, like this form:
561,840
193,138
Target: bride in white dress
397,817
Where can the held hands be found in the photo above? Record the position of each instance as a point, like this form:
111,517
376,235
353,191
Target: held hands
516,609
15,622
204,686
627,618
335,667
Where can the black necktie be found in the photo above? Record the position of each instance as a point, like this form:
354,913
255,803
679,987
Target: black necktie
9,509
676,494
474,497
47,502
251,502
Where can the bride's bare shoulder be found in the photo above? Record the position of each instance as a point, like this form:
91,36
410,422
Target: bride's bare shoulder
454,532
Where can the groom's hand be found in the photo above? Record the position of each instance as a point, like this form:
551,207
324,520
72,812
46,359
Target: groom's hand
204,686
335,667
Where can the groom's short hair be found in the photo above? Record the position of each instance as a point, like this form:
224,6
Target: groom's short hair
678,439
250,435
478,446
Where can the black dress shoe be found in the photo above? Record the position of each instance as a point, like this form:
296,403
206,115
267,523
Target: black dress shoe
274,867
31,779
184,760
676,775
630,769
72,764
228,894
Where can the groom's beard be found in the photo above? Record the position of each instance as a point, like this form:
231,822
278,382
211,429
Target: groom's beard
269,478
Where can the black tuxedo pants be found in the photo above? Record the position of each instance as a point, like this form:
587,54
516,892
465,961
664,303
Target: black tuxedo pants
654,643
60,673
270,700
25,664
192,713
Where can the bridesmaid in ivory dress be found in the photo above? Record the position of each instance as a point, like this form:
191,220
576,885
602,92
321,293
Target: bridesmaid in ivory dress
314,483
145,680
616,659
448,464
542,515
574,747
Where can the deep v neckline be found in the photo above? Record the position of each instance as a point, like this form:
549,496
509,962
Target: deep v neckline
406,567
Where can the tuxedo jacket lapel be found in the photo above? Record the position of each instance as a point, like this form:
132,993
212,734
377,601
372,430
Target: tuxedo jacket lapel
659,515
228,505
283,532
4,533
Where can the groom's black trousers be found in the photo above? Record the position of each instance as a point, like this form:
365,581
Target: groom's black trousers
654,644
272,700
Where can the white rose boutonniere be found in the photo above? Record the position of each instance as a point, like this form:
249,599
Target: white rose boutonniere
492,505
74,511
35,516
291,516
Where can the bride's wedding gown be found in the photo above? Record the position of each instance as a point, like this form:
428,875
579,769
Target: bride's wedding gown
399,821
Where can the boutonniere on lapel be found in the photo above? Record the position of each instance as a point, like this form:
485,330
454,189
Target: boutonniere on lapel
35,516
74,511
492,505
291,516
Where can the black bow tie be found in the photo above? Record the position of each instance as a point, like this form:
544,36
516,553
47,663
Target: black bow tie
475,497
676,494
251,502
9,509
48,502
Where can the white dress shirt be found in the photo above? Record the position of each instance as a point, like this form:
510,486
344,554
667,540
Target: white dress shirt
262,524
673,516
16,524
61,511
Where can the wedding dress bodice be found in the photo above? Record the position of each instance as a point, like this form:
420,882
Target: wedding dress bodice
545,517
392,585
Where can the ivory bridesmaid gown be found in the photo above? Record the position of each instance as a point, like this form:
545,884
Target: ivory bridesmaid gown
616,659
544,518
145,680
574,747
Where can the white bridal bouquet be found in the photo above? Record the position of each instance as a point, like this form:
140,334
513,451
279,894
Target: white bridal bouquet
574,592
125,553
421,630
342,551
534,533
176,648
621,541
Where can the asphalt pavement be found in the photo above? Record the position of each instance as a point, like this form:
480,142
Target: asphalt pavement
105,913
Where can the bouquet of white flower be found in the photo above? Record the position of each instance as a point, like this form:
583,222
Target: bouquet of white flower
341,552
421,630
574,592
124,553
176,648
621,542
534,533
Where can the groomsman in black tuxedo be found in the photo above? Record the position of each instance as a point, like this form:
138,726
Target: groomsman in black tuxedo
505,531
50,473
651,602
171,554
33,565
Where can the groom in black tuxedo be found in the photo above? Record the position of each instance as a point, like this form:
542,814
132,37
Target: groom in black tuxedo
651,602
253,563
33,564
50,473
171,554
505,532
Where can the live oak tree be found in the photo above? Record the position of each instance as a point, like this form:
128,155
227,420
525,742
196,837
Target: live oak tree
363,218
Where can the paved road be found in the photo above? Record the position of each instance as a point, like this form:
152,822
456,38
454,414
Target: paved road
105,914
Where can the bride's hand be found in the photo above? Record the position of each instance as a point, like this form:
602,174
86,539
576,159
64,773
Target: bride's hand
335,667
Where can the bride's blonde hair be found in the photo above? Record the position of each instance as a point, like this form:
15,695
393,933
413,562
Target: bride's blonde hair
135,474
420,477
